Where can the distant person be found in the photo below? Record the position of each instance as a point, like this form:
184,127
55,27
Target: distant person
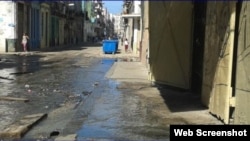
126,44
25,41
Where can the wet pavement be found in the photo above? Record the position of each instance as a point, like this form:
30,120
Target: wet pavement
89,95
78,98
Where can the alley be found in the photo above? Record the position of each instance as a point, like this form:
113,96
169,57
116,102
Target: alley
70,86
85,96
193,59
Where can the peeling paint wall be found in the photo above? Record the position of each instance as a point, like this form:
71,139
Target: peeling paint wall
242,91
45,17
7,23
218,55
145,34
218,66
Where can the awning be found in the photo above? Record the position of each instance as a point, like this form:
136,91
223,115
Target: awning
131,16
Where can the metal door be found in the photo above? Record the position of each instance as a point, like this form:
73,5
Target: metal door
242,88
171,42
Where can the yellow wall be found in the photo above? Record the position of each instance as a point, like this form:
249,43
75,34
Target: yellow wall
242,90
218,54
170,33
145,33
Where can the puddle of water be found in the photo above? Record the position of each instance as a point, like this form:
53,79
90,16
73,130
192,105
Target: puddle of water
19,65
14,66
27,65
117,115
108,61
5,73
90,131
108,113
7,115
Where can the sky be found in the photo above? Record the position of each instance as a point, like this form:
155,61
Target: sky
113,6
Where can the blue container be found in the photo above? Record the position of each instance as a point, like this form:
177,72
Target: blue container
110,46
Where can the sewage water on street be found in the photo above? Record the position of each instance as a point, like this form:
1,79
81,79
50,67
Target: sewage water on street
101,111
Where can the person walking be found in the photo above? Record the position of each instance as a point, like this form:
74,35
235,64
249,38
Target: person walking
126,44
25,41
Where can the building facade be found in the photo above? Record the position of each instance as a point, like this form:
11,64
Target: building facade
132,24
48,24
200,48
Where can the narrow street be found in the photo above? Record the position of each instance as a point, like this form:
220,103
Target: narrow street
71,86
125,70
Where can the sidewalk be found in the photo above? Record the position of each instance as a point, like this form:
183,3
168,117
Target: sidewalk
170,106
128,72
128,68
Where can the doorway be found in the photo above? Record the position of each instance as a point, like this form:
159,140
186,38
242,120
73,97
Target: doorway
198,46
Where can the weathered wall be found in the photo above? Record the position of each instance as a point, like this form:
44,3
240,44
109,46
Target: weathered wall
34,34
242,91
145,33
7,23
79,30
54,30
170,36
45,17
61,23
22,23
217,70
136,35
130,33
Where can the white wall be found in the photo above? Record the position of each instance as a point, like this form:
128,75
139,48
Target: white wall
7,23
137,8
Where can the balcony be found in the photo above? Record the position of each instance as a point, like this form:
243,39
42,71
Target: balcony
131,15
131,9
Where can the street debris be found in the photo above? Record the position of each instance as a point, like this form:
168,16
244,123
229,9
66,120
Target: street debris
19,73
54,133
27,86
13,99
6,78
95,84
85,93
